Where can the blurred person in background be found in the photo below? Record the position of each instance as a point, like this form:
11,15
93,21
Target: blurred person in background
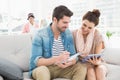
31,26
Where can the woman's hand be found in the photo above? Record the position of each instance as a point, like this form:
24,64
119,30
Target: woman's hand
95,61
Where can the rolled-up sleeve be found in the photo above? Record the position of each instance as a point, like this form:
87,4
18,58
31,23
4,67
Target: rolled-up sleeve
36,60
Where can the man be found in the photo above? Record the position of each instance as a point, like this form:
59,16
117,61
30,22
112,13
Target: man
51,48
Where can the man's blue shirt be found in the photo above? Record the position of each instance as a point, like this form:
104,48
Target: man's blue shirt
42,45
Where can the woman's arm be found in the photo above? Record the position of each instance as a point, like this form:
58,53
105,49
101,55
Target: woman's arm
99,48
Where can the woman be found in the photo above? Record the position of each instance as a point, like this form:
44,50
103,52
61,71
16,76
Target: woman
30,26
89,41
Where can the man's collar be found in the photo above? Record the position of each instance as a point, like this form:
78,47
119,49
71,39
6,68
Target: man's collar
51,32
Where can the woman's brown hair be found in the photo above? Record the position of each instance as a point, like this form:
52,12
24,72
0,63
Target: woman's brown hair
92,16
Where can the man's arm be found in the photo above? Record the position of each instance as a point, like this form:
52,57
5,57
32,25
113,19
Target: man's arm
37,57
66,64
53,60
46,62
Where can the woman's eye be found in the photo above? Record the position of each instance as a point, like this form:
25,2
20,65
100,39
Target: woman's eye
89,28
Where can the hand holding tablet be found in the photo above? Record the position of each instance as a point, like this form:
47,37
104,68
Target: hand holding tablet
91,56
85,59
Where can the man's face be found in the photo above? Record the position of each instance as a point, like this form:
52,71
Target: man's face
62,24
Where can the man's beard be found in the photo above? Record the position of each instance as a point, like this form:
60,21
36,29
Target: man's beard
59,29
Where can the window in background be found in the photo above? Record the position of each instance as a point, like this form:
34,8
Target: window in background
110,14
109,19
13,14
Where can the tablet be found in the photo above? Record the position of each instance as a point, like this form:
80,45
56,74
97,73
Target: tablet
72,57
91,56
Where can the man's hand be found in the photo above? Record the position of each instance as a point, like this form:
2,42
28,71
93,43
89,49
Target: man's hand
65,64
62,57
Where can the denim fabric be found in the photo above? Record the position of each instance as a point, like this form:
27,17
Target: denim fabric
42,45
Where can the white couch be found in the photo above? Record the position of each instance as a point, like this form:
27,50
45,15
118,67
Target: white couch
17,48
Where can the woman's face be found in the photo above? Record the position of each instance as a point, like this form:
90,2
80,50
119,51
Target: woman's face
31,19
87,27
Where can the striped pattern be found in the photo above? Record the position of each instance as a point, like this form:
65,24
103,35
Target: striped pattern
57,47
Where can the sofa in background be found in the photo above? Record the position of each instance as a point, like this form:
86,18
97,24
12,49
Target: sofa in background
15,50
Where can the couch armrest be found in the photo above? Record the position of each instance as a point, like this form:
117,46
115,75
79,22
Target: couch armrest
112,55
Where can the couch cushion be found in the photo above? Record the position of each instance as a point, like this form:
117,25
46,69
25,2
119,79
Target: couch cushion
26,76
10,70
112,55
16,48
22,51
113,72
6,45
